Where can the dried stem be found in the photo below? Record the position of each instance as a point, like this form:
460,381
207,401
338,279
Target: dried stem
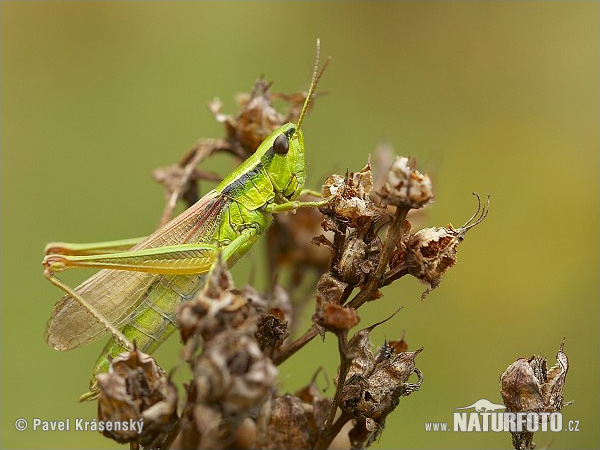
394,274
296,345
338,425
329,431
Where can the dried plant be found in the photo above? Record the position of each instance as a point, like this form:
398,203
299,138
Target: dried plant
234,339
527,386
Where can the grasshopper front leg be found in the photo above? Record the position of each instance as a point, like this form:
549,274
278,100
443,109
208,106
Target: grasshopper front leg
310,192
293,205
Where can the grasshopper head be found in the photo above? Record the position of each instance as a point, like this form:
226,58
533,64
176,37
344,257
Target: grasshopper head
283,159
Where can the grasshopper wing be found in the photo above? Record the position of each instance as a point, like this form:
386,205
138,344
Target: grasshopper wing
118,293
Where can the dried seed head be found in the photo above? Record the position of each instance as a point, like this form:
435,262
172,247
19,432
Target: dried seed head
405,186
257,117
430,252
233,372
527,386
375,393
375,384
358,258
218,307
293,424
136,388
351,203
272,330
521,389
336,318
330,289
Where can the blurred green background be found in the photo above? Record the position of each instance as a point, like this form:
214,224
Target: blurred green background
497,97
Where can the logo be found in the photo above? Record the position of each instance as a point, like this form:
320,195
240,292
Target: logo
484,415
483,405
486,418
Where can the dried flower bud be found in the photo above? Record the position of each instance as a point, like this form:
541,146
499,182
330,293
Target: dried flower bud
375,384
330,289
358,258
405,186
257,117
136,389
336,318
217,307
272,330
292,424
351,204
376,394
527,386
430,252
292,421
233,372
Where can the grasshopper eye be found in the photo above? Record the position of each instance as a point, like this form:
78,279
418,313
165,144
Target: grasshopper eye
281,144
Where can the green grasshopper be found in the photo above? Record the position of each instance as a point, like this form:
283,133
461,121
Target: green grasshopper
142,281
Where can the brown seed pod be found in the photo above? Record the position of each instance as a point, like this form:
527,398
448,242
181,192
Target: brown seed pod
272,330
233,372
292,423
257,117
527,386
351,203
405,186
137,389
336,318
430,252
358,258
375,384
216,307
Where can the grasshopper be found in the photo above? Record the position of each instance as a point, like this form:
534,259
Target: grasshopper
142,281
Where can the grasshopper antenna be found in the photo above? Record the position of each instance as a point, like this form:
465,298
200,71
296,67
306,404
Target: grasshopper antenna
313,84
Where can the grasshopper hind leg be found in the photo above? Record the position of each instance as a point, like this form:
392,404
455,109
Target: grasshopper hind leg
94,248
